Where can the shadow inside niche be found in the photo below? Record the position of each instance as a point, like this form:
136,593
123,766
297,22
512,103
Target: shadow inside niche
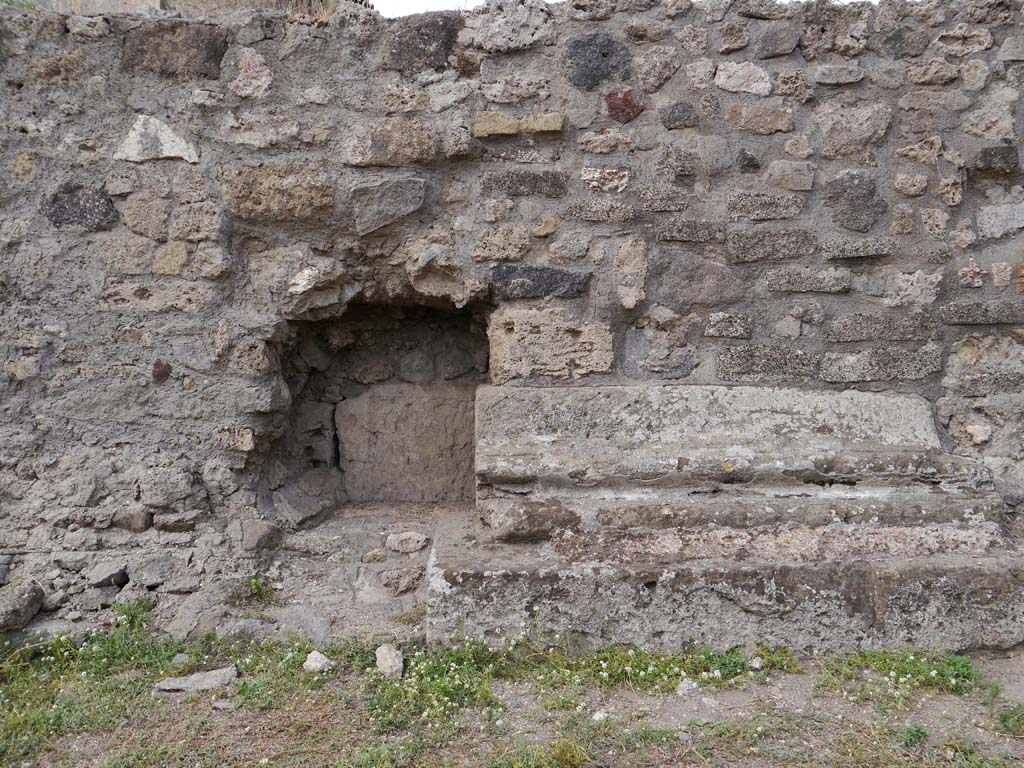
382,411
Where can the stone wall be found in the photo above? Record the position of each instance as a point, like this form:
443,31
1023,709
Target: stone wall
718,192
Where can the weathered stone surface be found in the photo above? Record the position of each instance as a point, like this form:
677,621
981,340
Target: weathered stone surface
852,197
621,104
1000,159
390,142
527,343
1012,49
874,327
390,661
804,280
406,542
376,205
910,184
763,206
631,272
591,59
520,281
653,67
764,363
733,36
792,175
743,78
759,120
254,75
771,245
693,231
864,248
19,602
882,365
150,139
963,40
317,663
983,313
1000,220
775,39
727,325
374,426
175,50
521,183
200,681
74,204
278,191
421,41
110,573
628,434
678,115
506,26
935,72
847,131
837,74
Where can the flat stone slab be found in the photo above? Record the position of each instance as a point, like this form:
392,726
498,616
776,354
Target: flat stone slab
682,435
200,681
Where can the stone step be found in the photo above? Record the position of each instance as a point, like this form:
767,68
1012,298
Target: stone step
485,589
708,453
676,436
735,507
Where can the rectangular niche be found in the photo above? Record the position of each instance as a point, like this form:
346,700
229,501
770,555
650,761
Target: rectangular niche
391,398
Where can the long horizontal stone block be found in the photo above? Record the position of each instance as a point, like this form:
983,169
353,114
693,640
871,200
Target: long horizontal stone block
677,435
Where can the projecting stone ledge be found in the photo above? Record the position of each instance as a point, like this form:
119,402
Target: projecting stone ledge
681,457
483,589
643,437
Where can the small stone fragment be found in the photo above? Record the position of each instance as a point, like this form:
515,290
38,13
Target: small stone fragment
853,198
910,184
406,542
106,574
151,139
74,204
792,175
935,72
592,59
743,78
200,681
678,115
734,36
1003,158
390,661
837,74
728,326
254,76
316,663
775,38
19,603
622,105
759,120
375,206
518,281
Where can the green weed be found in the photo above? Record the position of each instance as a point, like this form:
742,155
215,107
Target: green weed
913,735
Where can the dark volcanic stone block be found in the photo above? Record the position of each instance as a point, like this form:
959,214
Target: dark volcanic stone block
592,59
520,281
176,50
422,41
75,204
517,183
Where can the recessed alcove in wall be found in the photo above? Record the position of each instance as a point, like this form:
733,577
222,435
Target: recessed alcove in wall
382,410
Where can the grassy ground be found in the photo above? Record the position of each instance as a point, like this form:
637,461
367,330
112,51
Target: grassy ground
528,706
